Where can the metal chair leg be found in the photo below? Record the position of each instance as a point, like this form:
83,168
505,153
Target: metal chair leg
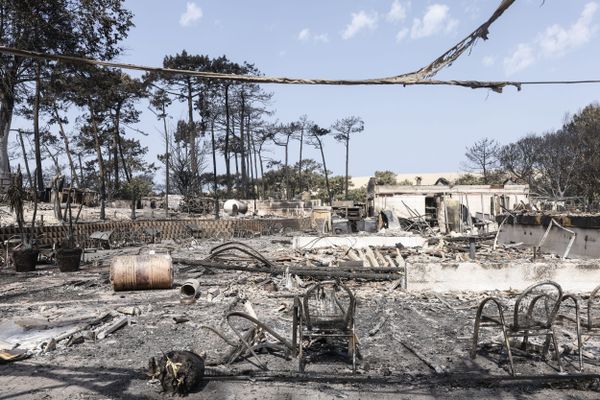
556,351
578,331
301,362
476,329
525,341
474,342
510,357
546,347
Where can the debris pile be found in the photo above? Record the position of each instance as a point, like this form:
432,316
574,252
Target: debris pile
192,204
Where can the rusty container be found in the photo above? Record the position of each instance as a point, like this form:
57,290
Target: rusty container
141,272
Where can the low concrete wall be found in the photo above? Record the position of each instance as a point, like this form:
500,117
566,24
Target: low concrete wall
356,242
472,276
586,244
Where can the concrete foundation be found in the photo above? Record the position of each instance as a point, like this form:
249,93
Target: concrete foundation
586,244
356,242
472,276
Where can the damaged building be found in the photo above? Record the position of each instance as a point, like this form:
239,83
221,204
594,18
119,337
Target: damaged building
449,207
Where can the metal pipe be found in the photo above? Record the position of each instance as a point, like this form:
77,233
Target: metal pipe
189,291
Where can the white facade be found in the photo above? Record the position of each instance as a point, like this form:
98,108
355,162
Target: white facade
483,199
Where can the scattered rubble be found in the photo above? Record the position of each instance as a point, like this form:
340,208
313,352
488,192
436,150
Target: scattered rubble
238,304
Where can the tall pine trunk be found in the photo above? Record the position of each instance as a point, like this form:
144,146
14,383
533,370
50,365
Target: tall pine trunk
226,149
249,157
192,136
7,105
115,147
243,148
347,158
36,131
63,135
214,159
126,169
25,158
286,170
300,161
102,169
325,170
167,156
262,173
255,163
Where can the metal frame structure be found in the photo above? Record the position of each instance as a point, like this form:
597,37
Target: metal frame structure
313,323
587,326
525,324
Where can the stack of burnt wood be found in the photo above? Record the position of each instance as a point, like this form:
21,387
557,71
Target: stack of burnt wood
378,264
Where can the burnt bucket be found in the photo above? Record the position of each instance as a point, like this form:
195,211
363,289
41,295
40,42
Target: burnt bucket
68,260
25,259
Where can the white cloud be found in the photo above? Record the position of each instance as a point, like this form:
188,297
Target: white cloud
436,19
191,15
522,58
360,21
323,38
488,61
397,12
401,34
556,40
304,35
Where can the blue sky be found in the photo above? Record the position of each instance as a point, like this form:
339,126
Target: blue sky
413,129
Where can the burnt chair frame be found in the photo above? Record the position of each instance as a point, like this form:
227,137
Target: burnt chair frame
306,326
584,327
519,327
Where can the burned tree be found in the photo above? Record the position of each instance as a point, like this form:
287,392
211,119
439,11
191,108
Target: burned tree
92,29
482,157
282,135
345,128
521,158
316,136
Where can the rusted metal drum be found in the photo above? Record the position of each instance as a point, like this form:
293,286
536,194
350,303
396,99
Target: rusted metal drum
142,272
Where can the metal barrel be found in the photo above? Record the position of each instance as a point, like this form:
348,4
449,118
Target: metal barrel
141,272
189,291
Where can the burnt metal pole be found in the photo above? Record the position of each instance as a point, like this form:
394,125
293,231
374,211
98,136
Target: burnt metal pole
164,118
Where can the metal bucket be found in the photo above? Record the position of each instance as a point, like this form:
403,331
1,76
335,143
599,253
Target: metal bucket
142,272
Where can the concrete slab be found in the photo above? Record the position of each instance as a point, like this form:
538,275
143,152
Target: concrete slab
584,246
356,242
573,276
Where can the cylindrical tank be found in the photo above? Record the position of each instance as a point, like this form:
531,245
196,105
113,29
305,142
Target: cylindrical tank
141,272
235,207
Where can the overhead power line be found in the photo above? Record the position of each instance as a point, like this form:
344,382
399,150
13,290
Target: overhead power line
423,76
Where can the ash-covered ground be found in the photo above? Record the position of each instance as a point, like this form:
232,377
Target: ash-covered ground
413,345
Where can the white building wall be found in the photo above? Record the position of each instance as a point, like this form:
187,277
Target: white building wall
394,203
477,199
